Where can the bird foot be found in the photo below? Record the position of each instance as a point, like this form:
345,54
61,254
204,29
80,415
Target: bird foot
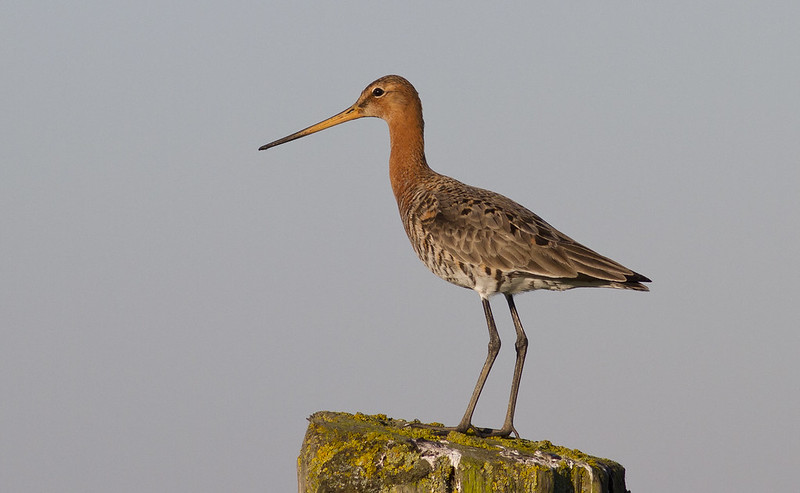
480,432
502,433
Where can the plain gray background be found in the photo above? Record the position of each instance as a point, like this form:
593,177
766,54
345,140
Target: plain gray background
174,303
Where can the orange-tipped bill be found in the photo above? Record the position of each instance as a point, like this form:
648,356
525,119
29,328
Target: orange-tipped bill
350,113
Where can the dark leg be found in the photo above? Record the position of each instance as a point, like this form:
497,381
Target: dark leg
494,348
522,348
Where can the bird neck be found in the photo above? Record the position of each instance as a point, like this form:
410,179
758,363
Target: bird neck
407,165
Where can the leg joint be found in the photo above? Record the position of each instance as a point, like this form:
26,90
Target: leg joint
522,343
494,344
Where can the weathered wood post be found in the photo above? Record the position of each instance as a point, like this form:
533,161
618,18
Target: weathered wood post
359,453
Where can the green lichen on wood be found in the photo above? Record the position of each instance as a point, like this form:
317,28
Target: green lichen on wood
345,452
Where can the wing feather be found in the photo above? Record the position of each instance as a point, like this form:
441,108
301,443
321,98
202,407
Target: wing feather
483,228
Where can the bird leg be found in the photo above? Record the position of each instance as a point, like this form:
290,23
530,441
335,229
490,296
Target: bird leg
494,348
466,421
521,345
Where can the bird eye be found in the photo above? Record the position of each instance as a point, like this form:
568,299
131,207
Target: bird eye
377,92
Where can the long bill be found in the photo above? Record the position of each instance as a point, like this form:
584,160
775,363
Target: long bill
350,113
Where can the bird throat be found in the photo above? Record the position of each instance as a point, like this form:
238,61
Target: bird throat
407,164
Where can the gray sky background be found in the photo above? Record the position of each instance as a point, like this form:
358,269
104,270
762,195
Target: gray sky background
174,304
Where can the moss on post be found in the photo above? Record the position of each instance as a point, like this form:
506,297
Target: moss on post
359,453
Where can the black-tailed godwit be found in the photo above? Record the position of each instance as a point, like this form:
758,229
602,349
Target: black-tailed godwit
473,237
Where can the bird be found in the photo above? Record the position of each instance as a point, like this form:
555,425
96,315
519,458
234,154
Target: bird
472,237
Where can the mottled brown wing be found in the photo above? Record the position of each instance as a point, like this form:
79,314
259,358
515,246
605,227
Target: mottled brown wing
484,228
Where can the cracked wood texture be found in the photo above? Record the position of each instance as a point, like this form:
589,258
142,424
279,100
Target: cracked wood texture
360,453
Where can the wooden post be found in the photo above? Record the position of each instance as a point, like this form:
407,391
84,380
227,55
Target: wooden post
359,453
